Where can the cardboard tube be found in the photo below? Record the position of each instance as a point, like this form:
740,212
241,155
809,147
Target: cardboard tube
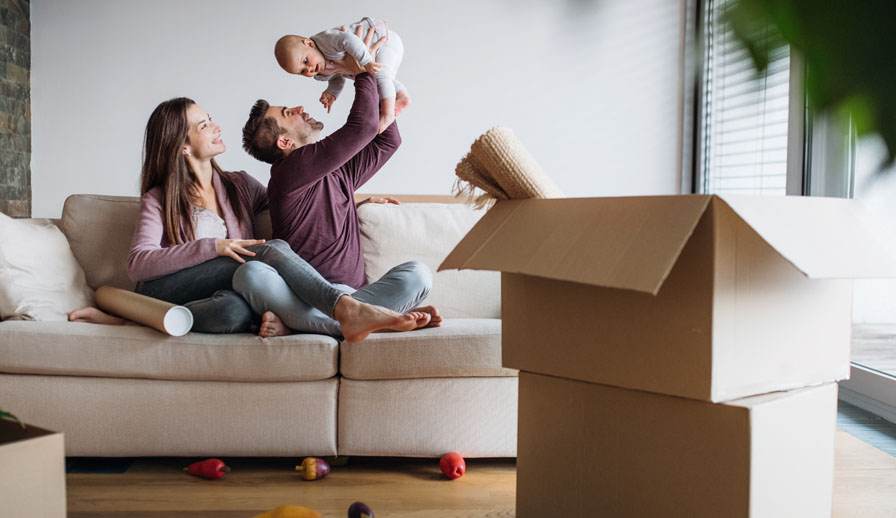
164,316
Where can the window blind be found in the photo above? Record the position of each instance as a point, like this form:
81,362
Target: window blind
743,133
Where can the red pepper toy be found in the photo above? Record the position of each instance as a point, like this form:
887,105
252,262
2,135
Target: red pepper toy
209,468
453,465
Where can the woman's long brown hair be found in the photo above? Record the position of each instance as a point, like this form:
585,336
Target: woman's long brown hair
165,166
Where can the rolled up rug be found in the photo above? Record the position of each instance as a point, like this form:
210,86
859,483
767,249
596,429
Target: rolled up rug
500,165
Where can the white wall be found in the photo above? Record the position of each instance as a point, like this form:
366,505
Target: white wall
591,87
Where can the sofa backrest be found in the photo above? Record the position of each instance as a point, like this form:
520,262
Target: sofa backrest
427,232
99,230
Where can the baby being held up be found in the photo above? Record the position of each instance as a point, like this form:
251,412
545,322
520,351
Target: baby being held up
321,57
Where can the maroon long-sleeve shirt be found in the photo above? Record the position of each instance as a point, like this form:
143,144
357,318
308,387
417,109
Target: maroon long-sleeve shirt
311,191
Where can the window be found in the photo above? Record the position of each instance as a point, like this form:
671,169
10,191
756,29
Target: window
743,132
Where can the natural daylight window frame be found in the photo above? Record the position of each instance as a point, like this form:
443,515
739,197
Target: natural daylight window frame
746,129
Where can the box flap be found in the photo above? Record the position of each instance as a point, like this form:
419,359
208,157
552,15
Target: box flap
825,238
628,243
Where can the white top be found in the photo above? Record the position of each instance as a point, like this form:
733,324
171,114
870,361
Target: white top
208,224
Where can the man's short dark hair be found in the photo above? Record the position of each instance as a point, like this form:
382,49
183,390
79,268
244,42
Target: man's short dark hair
260,134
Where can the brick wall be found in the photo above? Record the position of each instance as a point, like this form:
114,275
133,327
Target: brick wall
15,107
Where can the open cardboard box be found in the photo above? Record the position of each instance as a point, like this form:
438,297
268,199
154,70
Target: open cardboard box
706,297
594,450
32,471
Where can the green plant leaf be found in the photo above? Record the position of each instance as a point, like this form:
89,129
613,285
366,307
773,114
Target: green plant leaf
11,417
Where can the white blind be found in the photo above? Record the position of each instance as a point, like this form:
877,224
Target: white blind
743,146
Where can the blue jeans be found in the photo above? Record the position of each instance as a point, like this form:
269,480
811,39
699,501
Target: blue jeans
401,289
207,288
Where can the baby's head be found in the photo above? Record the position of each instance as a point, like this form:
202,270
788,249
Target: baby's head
300,56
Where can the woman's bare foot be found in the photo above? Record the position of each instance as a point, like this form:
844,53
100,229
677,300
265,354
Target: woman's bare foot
359,319
95,316
402,100
435,318
272,326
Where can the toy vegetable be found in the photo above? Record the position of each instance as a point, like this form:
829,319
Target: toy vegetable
209,468
453,465
359,510
289,511
313,468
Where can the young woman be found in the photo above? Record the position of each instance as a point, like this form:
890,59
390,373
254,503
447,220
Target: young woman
194,233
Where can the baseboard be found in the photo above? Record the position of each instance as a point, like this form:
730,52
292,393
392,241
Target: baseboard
870,390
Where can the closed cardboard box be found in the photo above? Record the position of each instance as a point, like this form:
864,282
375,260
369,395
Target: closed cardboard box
32,472
590,450
697,296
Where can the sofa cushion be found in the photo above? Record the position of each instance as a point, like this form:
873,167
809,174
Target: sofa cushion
39,277
467,347
99,230
427,232
81,349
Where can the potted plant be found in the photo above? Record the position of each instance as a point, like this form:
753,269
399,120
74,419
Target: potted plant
32,469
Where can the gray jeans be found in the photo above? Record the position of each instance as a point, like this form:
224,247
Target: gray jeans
401,289
207,289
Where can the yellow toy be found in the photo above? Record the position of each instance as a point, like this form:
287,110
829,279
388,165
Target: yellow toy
290,511
313,468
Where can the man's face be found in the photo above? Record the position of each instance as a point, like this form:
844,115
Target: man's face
299,126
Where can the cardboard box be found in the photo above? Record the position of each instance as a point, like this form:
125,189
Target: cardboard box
32,471
698,296
593,450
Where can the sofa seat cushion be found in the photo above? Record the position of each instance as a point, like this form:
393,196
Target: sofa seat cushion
461,347
81,349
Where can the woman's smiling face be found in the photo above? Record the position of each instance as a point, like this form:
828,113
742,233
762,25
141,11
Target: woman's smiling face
204,136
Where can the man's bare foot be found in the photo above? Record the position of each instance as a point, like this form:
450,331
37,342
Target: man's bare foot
402,100
95,316
272,326
435,318
359,319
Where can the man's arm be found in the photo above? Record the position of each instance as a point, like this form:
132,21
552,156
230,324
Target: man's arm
374,156
312,162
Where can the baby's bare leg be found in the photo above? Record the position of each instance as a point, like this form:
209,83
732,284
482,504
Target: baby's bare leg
402,100
387,113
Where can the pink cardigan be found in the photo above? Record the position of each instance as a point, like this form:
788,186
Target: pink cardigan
152,254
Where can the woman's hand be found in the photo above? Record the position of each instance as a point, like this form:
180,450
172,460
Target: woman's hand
233,248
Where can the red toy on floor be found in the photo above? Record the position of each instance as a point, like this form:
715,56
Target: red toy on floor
453,465
209,468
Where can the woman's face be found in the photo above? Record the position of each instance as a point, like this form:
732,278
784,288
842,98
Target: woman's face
204,135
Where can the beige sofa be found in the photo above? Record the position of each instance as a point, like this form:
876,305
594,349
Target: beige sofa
132,391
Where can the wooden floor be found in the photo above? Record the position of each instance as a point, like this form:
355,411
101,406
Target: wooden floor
865,486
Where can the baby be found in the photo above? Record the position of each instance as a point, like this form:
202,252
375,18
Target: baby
321,57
